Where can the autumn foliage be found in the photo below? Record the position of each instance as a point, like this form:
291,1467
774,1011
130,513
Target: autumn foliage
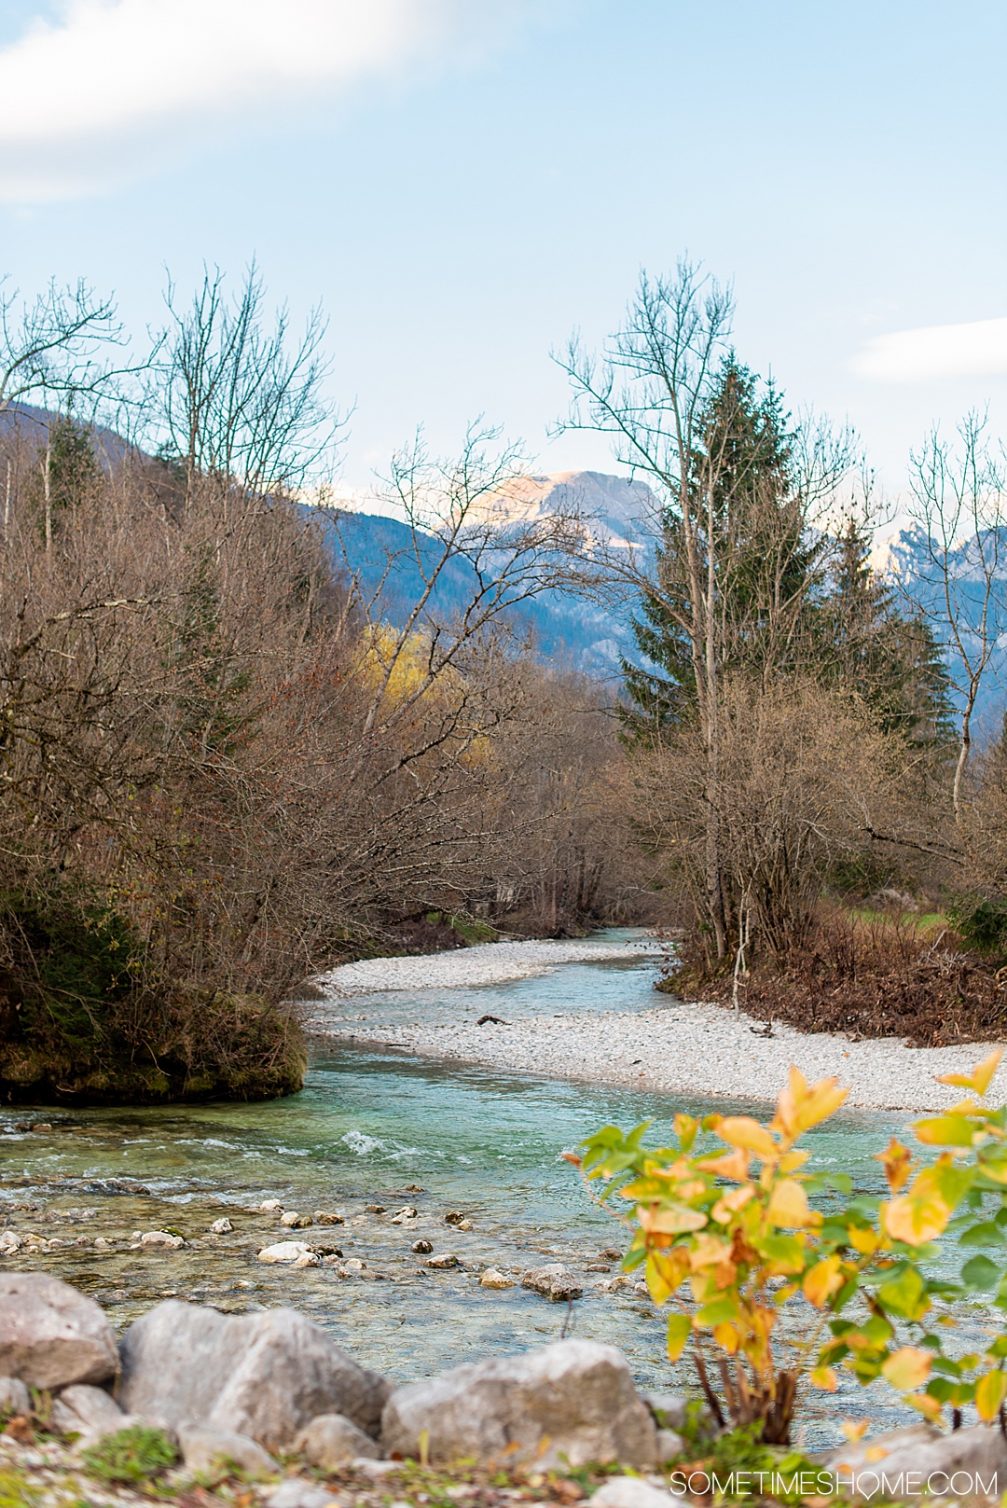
738,1234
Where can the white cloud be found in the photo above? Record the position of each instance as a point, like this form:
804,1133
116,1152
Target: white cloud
977,349
113,87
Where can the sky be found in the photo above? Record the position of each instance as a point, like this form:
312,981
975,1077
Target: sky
461,184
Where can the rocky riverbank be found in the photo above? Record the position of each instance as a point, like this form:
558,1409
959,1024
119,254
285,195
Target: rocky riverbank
264,1410
691,1048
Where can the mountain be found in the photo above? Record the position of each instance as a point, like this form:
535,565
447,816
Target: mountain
568,630
913,568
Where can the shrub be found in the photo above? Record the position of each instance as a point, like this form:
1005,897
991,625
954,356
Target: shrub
981,921
726,1212
130,1455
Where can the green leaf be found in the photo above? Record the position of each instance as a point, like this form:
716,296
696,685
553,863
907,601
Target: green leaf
905,1294
679,1330
980,1273
985,1234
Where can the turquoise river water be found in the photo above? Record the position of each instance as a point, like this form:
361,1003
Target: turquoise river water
373,1129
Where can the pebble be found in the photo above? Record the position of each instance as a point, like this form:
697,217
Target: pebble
287,1251
422,1248
269,1206
405,1215
492,1278
161,1238
329,1217
293,1221
554,1281
221,1227
444,1260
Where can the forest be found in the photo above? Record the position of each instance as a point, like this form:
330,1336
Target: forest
225,767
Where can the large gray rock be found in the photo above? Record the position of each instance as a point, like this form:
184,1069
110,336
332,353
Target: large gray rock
573,1400
51,1335
331,1441
264,1375
906,1462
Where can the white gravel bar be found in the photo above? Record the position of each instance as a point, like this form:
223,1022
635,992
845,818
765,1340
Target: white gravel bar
487,963
682,1047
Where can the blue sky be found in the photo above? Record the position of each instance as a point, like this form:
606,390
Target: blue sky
462,182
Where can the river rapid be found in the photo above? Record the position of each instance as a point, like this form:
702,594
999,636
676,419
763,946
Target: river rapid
371,1132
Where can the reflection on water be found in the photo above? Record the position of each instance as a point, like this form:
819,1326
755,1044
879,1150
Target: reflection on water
373,1129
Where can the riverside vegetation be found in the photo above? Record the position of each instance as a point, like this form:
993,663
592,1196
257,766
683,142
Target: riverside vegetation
224,766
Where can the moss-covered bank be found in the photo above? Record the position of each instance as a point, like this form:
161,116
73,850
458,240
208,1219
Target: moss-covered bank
85,1018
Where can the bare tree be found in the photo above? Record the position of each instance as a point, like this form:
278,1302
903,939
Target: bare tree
652,392
959,508
237,400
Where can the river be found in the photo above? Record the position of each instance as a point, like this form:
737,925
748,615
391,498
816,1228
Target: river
373,1128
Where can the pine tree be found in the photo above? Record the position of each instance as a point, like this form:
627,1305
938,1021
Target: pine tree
887,656
765,566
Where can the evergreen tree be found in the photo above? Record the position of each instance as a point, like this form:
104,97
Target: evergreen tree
869,644
67,472
742,483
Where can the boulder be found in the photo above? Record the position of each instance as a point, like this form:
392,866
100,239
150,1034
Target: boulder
221,1227
264,1375
293,1221
442,1262
331,1441
921,1458
216,1453
572,1401
554,1281
87,1411
14,1397
51,1335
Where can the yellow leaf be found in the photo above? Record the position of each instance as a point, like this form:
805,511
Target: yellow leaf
788,1204
863,1240
854,1430
825,1378
679,1330
981,1076
927,1406
657,1276
991,1390
744,1131
801,1106
896,1160
822,1281
919,1215
669,1219
791,1161
907,1368
733,1165
726,1336
946,1131
731,1202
